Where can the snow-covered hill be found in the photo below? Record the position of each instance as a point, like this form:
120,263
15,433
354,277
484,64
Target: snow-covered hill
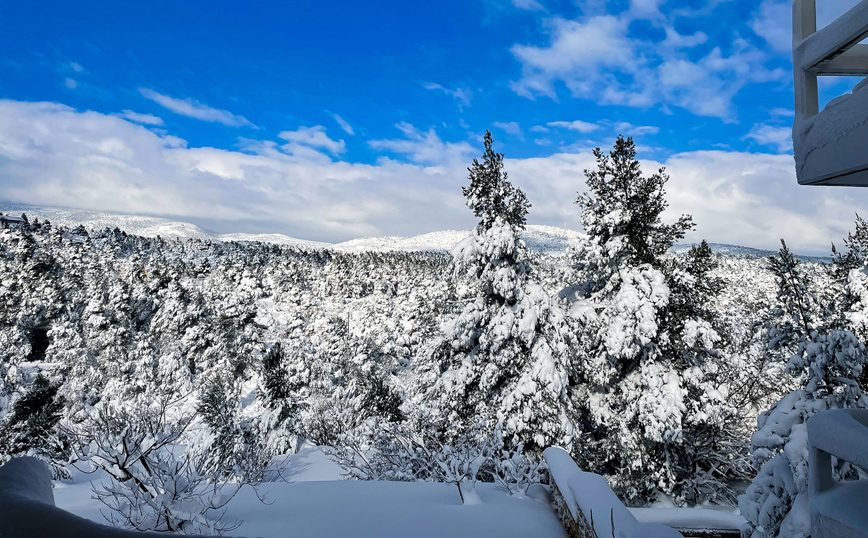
735,250
539,238
548,239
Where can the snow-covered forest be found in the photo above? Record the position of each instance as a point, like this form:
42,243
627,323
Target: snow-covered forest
179,365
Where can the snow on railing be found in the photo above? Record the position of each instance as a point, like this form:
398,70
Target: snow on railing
27,507
589,508
829,145
838,508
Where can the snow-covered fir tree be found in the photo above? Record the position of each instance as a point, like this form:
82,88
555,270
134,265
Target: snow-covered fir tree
653,412
503,360
826,362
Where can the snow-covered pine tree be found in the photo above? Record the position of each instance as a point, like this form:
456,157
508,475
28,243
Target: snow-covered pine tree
850,285
502,360
31,427
645,385
234,449
826,361
284,393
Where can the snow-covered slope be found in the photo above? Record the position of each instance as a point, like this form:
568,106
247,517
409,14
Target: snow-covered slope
735,250
132,224
278,239
549,239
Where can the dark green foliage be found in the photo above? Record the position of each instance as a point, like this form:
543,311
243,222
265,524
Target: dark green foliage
380,400
39,343
857,250
235,449
38,410
618,185
281,391
275,379
32,423
216,404
490,195
799,306
691,287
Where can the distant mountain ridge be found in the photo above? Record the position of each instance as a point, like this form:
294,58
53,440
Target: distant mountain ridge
539,238
735,250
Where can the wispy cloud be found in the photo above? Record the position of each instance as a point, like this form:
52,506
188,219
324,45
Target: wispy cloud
424,147
194,109
781,138
145,119
773,22
621,127
635,130
530,5
313,137
343,123
461,95
599,58
76,67
509,127
70,83
577,125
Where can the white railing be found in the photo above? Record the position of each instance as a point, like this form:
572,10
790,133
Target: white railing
838,508
587,506
834,50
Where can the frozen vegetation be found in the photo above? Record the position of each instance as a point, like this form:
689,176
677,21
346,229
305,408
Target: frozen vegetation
194,376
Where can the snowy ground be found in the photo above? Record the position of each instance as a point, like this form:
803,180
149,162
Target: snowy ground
317,504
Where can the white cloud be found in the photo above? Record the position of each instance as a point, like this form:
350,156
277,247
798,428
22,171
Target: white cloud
146,119
577,125
510,127
530,5
312,137
461,95
343,123
194,109
779,137
76,67
424,148
597,59
773,22
782,112
53,155
635,130
70,83
645,9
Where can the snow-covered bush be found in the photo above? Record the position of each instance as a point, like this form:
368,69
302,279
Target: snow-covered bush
157,483
428,447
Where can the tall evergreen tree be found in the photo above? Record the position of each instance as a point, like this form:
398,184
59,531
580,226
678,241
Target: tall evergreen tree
502,360
622,207
490,195
650,403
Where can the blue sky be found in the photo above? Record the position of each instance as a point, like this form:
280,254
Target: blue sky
331,120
